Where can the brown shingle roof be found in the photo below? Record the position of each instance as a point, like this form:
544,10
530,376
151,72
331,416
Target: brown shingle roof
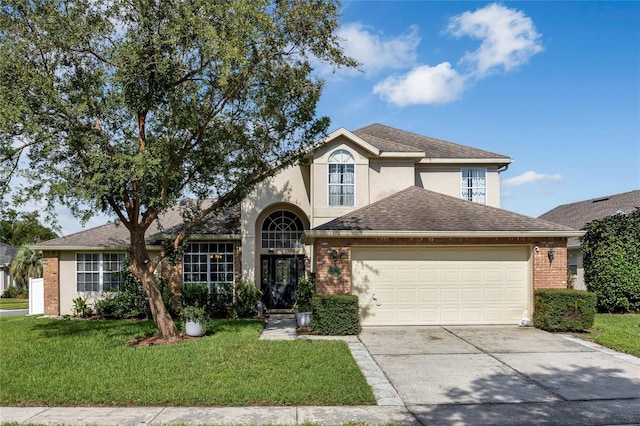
388,139
419,210
577,215
114,235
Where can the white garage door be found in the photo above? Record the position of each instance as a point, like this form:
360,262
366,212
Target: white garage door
451,285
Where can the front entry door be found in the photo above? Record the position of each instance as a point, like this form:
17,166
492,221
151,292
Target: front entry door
279,279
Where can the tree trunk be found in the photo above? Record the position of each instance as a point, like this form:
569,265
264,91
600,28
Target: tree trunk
140,262
173,275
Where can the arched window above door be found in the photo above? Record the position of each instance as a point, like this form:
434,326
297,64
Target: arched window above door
282,229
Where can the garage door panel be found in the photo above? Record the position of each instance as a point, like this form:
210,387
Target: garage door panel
441,285
427,295
448,295
407,295
472,295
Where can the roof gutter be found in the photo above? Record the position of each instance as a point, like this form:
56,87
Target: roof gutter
311,235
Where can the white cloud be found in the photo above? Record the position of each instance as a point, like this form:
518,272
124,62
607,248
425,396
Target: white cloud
508,37
375,52
422,85
531,177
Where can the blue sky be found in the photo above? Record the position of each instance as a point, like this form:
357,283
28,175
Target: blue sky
553,85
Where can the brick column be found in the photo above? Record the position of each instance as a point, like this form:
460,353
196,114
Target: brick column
333,276
51,275
547,272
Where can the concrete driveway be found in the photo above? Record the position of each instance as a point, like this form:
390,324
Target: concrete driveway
504,375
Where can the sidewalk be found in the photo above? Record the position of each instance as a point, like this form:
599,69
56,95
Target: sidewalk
372,415
390,408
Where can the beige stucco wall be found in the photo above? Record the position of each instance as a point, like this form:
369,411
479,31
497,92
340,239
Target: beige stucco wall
321,212
290,187
388,177
448,180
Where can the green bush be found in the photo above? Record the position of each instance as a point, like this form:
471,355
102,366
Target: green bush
611,250
14,292
218,303
129,301
305,291
245,301
336,315
564,310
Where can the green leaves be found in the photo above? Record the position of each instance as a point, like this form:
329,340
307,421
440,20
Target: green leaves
611,250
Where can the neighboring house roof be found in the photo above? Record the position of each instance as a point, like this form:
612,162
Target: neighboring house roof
116,236
389,139
7,253
419,212
577,215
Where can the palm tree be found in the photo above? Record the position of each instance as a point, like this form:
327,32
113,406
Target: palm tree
27,264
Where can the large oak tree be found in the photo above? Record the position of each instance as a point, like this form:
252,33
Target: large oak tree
128,107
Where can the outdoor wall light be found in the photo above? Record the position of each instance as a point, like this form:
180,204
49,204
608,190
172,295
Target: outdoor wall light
334,255
550,255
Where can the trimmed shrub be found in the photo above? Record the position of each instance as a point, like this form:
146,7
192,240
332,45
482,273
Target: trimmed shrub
245,301
564,310
335,315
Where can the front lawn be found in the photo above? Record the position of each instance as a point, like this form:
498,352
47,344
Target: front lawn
9,303
618,331
57,362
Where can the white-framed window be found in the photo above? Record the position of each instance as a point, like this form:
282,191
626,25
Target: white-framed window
474,185
341,179
98,272
282,229
208,263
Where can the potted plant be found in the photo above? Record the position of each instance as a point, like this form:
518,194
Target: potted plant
305,290
195,321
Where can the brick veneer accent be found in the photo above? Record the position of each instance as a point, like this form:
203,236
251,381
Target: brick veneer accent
51,275
545,274
549,273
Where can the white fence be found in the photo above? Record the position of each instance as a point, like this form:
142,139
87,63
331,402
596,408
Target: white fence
36,296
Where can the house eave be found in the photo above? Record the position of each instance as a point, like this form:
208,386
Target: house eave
347,134
201,237
310,235
85,248
466,161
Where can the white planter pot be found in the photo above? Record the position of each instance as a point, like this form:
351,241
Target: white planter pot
193,329
303,319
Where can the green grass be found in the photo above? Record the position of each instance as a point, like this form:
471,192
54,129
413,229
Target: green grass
77,363
8,303
617,331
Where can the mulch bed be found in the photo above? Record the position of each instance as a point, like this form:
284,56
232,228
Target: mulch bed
157,340
304,330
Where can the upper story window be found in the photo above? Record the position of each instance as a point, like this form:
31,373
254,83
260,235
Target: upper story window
341,179
474,185
97,272
282,229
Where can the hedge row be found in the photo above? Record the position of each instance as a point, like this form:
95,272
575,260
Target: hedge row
335,315
564,310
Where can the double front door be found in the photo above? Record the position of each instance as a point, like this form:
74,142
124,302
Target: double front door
280,274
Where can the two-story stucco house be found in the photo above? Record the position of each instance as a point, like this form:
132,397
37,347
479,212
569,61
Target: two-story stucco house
410,224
